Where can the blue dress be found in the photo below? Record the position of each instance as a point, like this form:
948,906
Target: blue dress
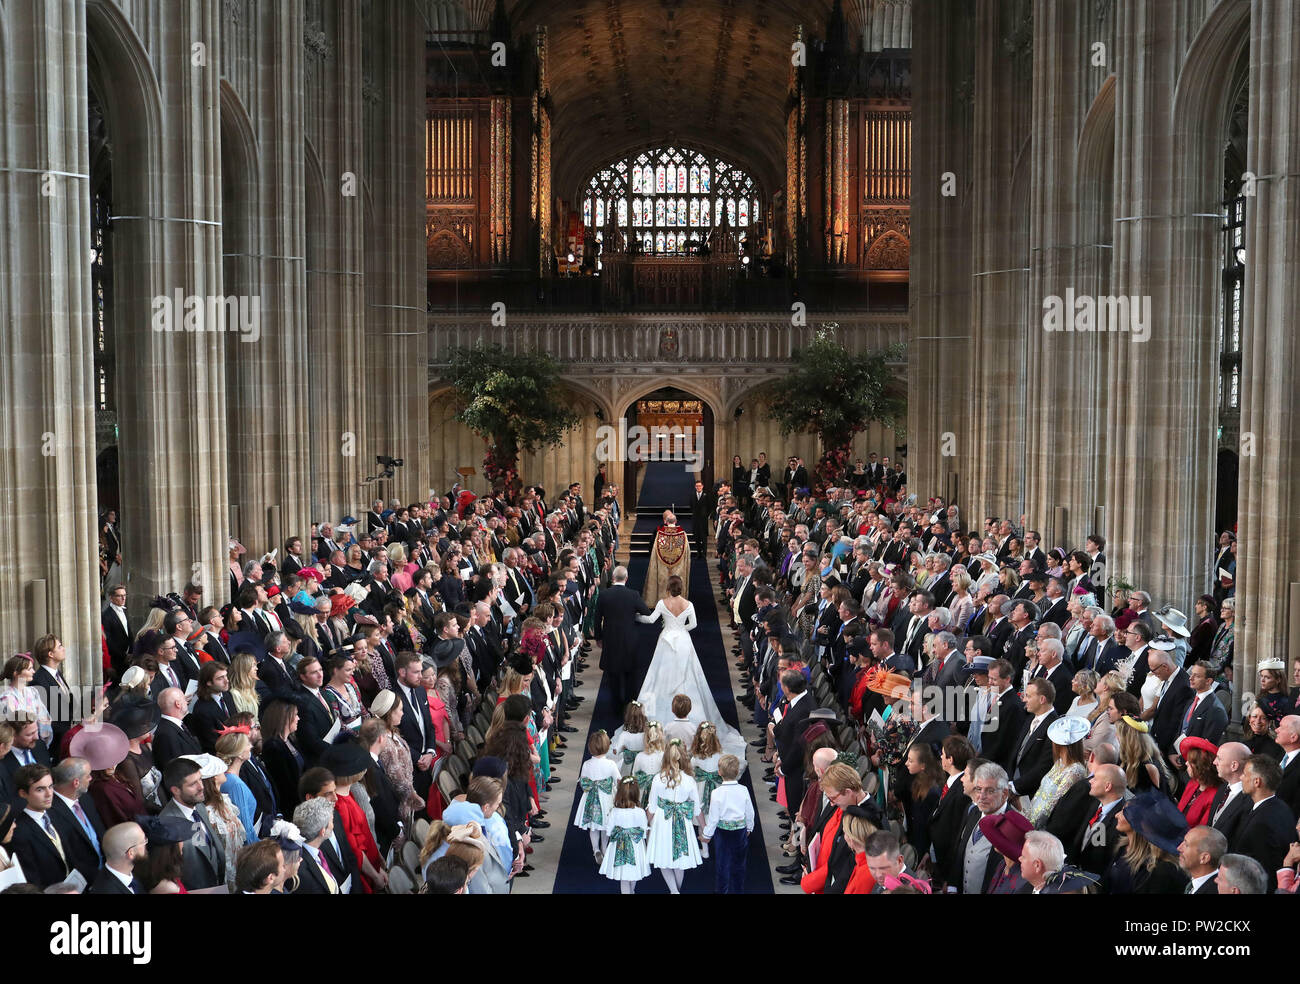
245,802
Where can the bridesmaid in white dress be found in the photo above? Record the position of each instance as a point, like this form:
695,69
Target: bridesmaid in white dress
674,803
627,829
598,777
676,669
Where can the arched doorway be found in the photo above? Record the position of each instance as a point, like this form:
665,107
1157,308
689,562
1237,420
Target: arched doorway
669,444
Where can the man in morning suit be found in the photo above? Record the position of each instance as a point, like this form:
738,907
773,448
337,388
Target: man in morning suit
417,724
27,749
616,628
117,629
75,817
203,863
314,819
1266,832
788,733
1006,717
976,860
36,841
1033,750
1230,804
1173,697
173,737
1199,855
1288,736
1094,848
123,845
703,503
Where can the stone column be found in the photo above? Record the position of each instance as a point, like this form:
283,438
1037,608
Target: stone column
1069,255
167,279
397,345
999,313
47,473
1162,410
1270,405
940,284
335,177
267,381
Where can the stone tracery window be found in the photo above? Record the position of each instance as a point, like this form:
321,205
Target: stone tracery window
655,196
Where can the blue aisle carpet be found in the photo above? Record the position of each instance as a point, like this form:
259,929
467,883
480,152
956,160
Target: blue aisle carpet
577,870
667,483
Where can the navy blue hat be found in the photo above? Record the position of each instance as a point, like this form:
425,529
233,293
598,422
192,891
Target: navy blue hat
348,521
164,829
298,608
489,765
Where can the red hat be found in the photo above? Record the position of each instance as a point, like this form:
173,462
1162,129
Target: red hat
1006,832
1191,741
312,573
272,591
340,603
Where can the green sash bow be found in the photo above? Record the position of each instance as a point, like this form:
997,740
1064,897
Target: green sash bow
679,813
710,781
592,811
629,756
623,839
643,780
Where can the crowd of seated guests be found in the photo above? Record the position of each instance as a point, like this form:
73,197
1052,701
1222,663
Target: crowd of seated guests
380,712
967,710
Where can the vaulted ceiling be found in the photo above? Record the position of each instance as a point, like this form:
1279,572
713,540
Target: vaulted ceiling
626,74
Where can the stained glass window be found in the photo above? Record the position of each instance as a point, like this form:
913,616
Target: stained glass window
671,188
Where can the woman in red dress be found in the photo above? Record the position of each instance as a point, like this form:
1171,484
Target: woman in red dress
349,763
1203,780
105,748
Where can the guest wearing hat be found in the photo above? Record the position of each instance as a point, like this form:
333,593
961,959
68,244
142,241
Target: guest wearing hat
1203,779
138,722
290,840
161,870
395,756
106,748
1006,834
349,763
1272,693
223,819
1148,860
1066,735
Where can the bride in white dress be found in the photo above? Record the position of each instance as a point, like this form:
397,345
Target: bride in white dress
676,669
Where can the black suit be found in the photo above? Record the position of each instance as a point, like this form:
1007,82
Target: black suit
616,628
58,701
315,719
116,638
106,883
11,763
999,744
788,733
1060,678
1265,834
1209,721
411,731
1289,789
1208,887
78,849
170,741
341,859
1031,755
1168,721
1057,612
41,861
387,806
945,824
1094,848
255,776
311,880
1227,819
207,717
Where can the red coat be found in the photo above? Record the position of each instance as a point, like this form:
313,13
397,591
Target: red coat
1195,804
861,882
815,881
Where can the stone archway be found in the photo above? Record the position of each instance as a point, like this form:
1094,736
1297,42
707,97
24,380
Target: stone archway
666,425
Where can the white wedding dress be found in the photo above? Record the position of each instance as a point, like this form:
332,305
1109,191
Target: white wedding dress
675,670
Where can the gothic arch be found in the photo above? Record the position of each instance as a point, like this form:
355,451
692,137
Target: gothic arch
693,385
121,73
1095,173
